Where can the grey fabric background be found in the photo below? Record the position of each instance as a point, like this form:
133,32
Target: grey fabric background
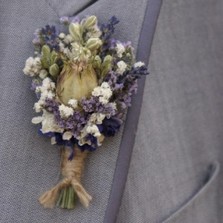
175,174
29,165
180,132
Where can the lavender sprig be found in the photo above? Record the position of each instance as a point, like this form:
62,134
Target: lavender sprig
47,35
107,32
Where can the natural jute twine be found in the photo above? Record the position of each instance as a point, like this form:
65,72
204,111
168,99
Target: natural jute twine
71,171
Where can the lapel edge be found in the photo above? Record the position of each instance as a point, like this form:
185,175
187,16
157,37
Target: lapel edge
128,138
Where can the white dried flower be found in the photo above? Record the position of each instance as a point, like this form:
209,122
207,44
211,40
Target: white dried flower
105,85
52,85
104,92
38,106
73,103
121,67
139,64
50,95
32,66
93,130
47,83
37,120
61,46
47,91
48,123
120,49
67,135
68,39
97,118
65,111
61,35
94,32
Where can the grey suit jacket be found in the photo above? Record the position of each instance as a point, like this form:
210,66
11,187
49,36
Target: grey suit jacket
175,168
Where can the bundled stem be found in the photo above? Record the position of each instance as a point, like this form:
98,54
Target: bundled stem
70,186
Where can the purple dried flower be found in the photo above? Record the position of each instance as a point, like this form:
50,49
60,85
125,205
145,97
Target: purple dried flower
92,105
37,40
35,83
66,20
109,28
128,44
74,123
107,31
46,35
137,72
110,126
74,19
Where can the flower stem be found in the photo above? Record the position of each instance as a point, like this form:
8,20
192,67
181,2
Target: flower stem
69,189
67,198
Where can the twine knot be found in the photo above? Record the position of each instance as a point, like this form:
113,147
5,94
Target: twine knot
71,171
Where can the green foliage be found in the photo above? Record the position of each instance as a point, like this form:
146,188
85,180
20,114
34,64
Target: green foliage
75,30
97,63
48,60
53,57
45,59
54,70
106,65
102,67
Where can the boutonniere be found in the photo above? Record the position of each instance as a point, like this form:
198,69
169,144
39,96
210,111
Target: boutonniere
83,80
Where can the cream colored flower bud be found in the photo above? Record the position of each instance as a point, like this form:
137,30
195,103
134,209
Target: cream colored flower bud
107,59
93,43
90,22
75,31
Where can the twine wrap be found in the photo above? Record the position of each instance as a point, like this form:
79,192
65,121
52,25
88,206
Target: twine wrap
71,171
